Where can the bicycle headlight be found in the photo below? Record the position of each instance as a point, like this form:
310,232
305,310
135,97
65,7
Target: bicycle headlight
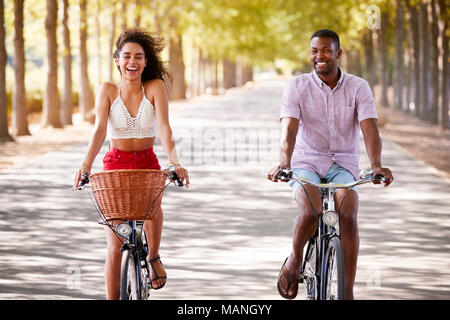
330,218
123,230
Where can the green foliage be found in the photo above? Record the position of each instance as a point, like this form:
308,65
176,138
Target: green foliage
259,32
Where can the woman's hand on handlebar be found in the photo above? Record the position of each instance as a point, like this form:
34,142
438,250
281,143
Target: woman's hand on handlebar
183,175
81,178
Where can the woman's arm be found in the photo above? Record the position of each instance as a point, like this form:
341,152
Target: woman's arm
157,91
102,104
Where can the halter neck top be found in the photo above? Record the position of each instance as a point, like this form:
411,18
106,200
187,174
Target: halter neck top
123,126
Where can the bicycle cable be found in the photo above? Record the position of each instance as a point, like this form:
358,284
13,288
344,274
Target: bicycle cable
345,195
310,202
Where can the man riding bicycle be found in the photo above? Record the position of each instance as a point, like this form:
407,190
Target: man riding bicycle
321,115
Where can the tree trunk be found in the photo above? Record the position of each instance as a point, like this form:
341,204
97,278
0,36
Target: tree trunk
435,63
67,101
112,39
247,73
425,62
384,69
398,57
137,13
85,93
201,73
19,119
354,62
414,24
176,67
51,107
98,43
124,14
4,134
215,83
370,59
444,29
229,73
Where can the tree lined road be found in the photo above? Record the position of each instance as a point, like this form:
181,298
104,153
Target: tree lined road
227,235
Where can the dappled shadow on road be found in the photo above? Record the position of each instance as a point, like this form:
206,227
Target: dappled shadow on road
53,247
405,232
227,235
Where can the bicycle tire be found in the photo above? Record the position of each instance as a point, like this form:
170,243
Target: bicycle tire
128,277
333,278
142,246
310,271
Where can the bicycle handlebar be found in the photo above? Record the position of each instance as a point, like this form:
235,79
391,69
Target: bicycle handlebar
287,174
171,170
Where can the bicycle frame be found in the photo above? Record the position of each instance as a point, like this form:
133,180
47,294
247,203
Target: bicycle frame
322,235
132,244
328,227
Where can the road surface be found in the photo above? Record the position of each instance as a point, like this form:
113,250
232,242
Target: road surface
227,235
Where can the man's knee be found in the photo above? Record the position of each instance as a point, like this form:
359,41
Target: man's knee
308,201
347,205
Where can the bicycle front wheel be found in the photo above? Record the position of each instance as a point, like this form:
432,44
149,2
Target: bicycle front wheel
333,284
310,270
128,278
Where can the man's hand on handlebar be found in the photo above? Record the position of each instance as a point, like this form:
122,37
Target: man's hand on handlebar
382,175
279,173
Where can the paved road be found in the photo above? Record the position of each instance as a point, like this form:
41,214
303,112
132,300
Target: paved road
225,237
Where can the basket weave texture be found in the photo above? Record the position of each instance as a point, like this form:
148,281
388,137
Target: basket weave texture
128,194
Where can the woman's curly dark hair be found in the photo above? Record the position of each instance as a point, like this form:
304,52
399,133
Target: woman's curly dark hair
152,45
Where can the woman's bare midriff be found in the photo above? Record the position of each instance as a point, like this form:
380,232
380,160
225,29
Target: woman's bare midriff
133,144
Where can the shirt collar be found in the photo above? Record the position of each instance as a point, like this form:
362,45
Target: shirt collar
321,83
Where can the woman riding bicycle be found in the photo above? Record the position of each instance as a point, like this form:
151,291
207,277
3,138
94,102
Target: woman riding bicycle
134,110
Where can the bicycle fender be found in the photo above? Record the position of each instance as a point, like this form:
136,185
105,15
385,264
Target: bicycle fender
125,246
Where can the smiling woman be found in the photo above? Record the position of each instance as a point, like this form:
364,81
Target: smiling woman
150,46
135,110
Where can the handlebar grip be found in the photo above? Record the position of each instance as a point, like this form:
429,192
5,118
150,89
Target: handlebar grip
84,180
284,175
174,177
379,177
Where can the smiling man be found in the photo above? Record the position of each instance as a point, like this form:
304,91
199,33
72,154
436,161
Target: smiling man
321,116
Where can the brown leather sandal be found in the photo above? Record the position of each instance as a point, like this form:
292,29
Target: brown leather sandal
291,278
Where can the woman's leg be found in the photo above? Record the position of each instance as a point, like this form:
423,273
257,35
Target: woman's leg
153,230
112,265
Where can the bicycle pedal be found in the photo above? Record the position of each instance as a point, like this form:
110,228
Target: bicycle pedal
300,280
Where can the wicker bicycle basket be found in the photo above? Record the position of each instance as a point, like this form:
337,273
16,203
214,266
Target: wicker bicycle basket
132,194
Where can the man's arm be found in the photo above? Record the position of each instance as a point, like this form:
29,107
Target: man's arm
289,128
373,145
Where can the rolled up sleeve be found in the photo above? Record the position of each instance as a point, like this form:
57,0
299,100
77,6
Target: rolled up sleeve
290,102
365,104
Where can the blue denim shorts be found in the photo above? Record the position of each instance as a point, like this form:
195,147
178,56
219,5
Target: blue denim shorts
336,174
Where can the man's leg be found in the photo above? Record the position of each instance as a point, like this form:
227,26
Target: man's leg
349,236
305,224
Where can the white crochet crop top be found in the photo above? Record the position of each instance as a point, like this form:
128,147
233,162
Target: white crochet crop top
122,125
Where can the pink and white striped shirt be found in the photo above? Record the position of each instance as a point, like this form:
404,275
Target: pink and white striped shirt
329,120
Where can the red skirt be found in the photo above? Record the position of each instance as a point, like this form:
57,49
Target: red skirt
117,159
